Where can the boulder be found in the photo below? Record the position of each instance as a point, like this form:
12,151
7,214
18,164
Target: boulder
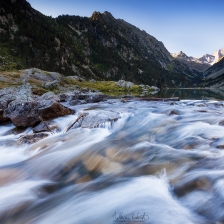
41,75
51,85
125,84
173,112
95,119
94,98
22,114
44,126
91,97
76,102
49,96
68,96
88,97
8,94
28,114
154,88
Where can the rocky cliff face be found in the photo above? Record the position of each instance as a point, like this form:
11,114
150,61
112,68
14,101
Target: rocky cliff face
99,47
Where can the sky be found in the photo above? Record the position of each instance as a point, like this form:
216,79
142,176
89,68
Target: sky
192,26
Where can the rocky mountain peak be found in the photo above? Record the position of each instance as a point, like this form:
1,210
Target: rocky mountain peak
218,55
106,16
182,54
96,15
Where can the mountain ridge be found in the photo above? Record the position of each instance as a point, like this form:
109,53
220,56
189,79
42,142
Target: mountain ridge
202,63
99,47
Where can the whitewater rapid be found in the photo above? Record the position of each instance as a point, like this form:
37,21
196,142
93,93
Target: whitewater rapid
159,162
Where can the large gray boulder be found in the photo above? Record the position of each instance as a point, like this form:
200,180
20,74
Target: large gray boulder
91,97
125,84
49,96
51,85
41,75
28,114
81,97
7,95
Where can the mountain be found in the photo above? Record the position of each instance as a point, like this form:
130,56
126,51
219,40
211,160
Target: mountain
200,64
218,55
197,64
212,59
214,76
99,47
207,59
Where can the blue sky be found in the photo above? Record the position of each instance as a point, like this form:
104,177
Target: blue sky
193,26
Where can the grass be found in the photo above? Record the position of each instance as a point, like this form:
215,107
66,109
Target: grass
107,87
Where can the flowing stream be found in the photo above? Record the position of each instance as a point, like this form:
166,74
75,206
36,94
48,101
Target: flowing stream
159,162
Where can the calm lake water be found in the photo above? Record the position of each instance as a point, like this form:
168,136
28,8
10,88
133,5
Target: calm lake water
195,94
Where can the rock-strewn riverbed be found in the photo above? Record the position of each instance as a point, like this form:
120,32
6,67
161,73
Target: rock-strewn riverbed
113,160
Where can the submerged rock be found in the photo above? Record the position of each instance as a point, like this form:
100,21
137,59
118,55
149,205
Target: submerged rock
221,123
83,179
43,127
76,102
94,120
9,176
173,112
28,114
32,138
98,163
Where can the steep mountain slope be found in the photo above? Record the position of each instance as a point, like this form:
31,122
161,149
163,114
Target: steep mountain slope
214,76
99,47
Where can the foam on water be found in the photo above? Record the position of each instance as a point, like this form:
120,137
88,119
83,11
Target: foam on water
172,161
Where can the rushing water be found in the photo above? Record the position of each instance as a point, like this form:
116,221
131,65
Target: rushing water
160,162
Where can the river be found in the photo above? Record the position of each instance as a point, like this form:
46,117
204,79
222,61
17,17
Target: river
158,162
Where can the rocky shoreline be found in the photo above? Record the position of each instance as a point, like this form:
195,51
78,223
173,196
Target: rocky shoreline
25,109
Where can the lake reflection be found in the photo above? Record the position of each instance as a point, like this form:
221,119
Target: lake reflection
196,94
